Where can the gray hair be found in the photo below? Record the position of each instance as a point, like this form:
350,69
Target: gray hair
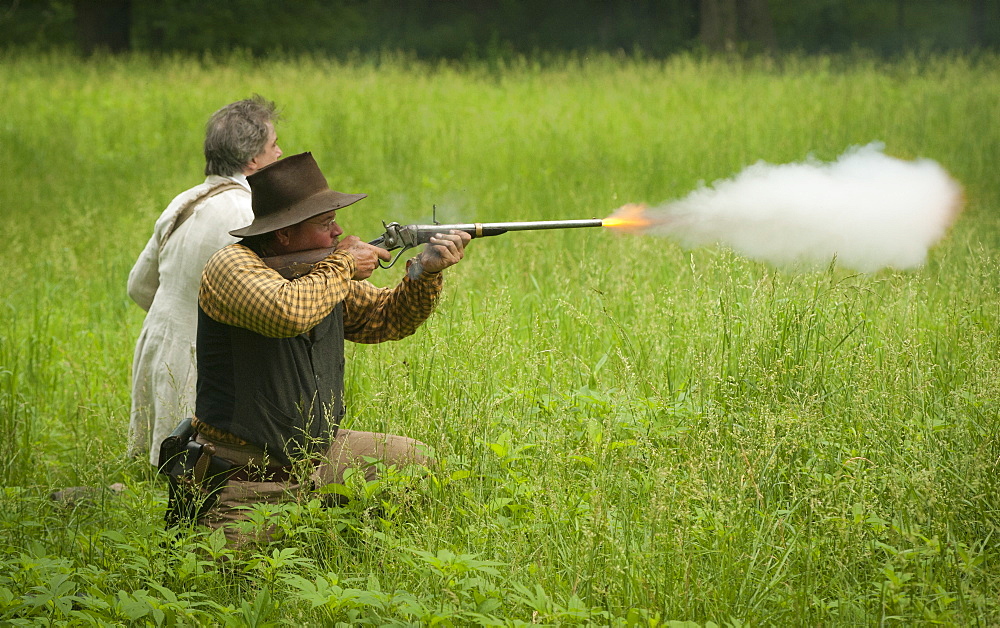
236,134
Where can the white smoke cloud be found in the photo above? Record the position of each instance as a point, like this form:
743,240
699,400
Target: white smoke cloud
868,209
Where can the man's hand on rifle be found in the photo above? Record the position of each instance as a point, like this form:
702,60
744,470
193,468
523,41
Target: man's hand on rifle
365,255
443,250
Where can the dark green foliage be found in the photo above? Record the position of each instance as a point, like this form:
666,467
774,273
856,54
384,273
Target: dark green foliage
492,28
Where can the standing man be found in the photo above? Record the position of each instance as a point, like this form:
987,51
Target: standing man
239,140
271,350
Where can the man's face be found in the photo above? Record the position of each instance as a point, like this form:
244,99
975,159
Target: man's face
270,154
321,232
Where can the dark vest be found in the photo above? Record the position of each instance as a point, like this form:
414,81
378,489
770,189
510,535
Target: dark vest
284,395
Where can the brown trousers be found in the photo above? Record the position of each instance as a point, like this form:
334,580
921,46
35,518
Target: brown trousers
350,449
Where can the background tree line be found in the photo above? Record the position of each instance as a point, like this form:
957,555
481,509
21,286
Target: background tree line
477,28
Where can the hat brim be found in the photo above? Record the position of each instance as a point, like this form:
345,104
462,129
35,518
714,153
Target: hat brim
325,201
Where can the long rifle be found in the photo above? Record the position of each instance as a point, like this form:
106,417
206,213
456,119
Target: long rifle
405,237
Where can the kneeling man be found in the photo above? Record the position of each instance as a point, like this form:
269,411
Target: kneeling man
271,350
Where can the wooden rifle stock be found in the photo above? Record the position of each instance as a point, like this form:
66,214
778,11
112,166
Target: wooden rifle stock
294,265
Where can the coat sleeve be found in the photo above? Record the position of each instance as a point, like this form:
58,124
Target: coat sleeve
144,278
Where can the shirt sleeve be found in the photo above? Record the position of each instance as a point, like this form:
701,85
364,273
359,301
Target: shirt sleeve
374,314
238,289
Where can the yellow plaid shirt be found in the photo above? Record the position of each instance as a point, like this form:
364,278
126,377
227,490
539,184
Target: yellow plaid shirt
238,289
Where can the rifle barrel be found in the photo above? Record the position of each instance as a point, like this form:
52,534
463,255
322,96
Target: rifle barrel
479,229
398,236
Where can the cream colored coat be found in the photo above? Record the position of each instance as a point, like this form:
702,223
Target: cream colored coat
164,282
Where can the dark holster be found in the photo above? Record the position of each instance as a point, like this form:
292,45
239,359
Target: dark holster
194,472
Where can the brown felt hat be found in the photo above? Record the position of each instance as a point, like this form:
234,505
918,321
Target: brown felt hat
289,191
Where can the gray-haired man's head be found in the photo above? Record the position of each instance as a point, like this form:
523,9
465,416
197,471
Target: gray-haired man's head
237,133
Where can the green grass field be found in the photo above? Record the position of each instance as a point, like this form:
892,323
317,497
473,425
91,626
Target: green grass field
629,433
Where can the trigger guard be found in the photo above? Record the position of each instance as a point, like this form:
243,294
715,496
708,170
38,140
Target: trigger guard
395,259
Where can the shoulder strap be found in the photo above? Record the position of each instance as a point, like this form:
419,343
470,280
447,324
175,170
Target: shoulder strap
185,212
